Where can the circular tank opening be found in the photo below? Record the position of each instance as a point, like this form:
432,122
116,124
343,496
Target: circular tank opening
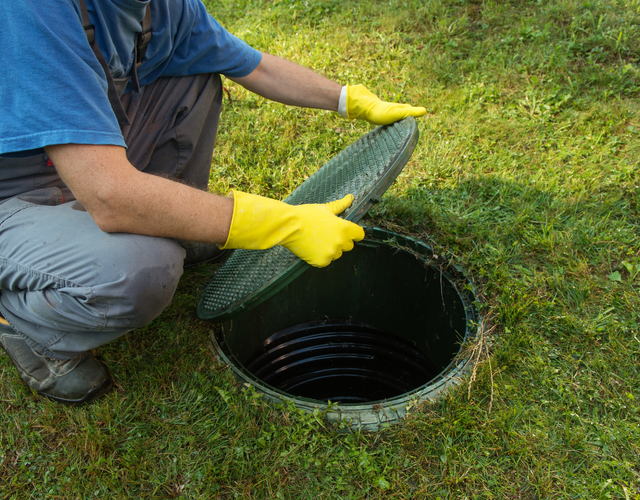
377,331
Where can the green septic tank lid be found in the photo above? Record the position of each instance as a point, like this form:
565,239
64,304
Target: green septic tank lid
365,169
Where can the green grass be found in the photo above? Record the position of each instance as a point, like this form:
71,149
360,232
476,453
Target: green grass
526,173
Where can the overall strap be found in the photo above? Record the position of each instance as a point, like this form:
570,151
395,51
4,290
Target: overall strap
112,93
142,41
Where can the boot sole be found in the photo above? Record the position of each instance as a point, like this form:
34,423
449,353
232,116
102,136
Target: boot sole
93,395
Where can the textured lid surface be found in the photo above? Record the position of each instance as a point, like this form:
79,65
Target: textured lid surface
365,169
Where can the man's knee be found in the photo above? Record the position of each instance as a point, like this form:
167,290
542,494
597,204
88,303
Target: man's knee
70,287
149,270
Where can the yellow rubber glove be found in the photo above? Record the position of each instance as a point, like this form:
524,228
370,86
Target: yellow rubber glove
364,105
312,232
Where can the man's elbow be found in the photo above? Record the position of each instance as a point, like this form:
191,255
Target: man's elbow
108,224
107,211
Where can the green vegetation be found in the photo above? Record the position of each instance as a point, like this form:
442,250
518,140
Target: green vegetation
526,174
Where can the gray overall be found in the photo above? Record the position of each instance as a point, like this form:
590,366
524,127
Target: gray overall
66,285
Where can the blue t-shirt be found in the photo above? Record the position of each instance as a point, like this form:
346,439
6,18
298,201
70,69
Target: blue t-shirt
53,89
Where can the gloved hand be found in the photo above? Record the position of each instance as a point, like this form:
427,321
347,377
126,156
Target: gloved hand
312,232
360,103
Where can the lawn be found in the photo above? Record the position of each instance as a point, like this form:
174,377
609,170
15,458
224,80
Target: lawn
526,174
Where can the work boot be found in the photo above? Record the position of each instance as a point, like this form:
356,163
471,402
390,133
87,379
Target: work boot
199,253
74,381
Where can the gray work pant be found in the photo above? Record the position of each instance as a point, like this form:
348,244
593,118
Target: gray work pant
66,285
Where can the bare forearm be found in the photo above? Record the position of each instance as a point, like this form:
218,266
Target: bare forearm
289,83
160,207
122,199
